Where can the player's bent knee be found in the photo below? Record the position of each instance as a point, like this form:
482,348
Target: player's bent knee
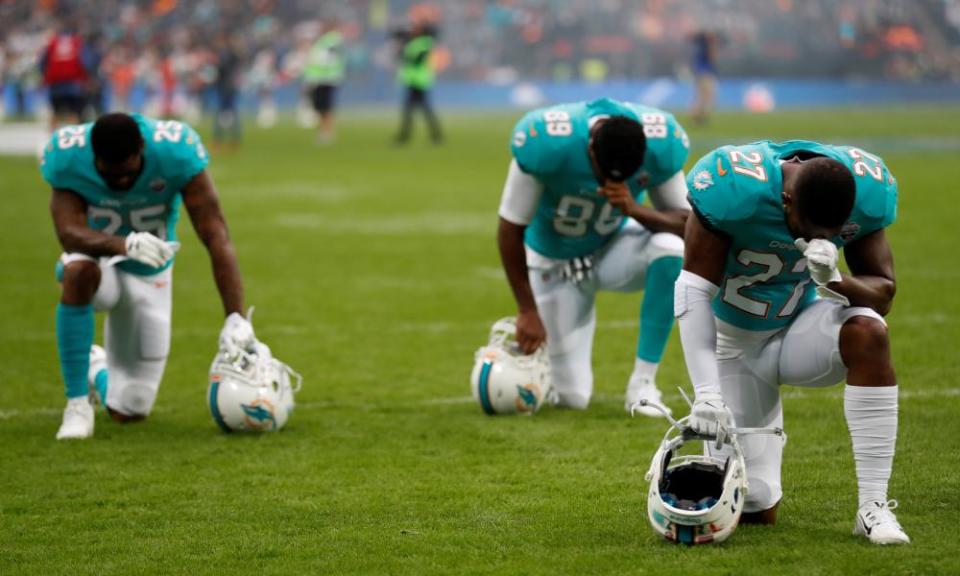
863,335
572,400
766,517
664,245
762,496
82,276
135,401
125,418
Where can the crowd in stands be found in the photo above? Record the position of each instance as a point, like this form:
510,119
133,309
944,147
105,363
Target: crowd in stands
175,47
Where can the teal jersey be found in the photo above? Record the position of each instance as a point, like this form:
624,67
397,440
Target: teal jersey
736,191
172,156
550,144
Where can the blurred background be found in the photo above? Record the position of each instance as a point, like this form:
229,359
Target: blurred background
176,58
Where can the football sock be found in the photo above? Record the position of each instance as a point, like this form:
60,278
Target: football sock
100,381
871,413
74,339
656,313
644,369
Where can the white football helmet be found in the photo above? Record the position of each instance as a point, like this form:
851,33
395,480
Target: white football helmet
251,391
698,499
504,379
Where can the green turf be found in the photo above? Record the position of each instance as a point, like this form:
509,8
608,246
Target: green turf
375,273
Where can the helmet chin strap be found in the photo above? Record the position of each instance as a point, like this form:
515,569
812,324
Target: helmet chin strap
722,432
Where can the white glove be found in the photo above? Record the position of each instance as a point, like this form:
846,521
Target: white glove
237,332
578,269
147,249
822,258
708,411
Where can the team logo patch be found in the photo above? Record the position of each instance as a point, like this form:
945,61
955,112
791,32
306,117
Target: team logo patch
258,415
158,184
520,138
849,231
527,397
702,180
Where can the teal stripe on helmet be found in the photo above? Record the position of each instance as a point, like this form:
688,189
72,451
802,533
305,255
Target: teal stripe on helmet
484,388
215,409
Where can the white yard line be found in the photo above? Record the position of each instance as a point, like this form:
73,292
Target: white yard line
790,393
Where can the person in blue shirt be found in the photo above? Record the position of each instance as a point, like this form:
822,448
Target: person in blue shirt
572,223
117,187
704,66
760,302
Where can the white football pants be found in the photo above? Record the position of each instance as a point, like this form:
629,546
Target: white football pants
136,333
753,365
567,309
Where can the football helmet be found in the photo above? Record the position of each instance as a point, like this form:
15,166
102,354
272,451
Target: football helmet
251,390
697,499
507,381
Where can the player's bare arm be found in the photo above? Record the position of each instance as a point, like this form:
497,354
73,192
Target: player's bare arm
530,331
705,251
704,259
69,213
203,205
871,282
669,220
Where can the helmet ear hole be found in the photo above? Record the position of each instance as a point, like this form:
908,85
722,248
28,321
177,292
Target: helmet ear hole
275,385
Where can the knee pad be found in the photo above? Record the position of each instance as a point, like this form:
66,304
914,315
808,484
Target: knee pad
136,399
573,386
761,495
572,400
664,244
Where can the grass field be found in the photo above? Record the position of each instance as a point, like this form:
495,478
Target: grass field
375,273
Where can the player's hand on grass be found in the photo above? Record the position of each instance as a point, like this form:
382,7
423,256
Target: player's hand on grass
530,331
147,249
237,332
708,411
822,257
619,195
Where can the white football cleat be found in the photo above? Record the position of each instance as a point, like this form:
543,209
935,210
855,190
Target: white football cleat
77,420
876,521
98,361
644,388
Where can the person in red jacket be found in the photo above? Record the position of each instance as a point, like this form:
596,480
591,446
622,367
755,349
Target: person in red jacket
66,75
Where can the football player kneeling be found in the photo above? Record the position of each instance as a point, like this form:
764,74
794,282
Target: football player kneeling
507,381
250,390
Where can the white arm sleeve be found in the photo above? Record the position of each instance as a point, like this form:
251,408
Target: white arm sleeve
521,195
672,194
698,330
